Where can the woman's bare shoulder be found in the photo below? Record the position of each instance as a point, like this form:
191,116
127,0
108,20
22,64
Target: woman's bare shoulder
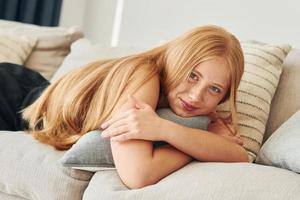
148,92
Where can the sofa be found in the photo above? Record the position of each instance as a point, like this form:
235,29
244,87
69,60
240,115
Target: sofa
30,170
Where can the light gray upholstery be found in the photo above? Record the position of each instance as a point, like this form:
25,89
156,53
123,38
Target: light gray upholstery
282,149
29,169
286,100
213,181
5,196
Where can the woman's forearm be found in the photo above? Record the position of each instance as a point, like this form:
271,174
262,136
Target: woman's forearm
165,160
202,145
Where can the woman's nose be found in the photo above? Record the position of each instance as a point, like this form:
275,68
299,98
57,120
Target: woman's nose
196,94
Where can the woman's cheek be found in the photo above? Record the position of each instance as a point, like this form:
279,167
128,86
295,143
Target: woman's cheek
212,104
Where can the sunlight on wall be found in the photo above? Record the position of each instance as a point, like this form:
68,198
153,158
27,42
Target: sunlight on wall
117,24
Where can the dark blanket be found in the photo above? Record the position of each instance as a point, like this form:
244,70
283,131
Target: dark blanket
19,87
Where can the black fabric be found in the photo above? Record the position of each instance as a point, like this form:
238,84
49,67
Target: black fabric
39,12
19,87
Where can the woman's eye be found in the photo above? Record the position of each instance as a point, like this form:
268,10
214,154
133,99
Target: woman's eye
194,76
215,89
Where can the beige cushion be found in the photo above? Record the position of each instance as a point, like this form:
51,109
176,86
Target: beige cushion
30,169
52,46
263,67
287,97
15,49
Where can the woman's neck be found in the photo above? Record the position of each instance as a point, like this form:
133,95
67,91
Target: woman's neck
163,100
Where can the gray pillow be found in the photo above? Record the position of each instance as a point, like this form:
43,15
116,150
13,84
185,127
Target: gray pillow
93,153
282,149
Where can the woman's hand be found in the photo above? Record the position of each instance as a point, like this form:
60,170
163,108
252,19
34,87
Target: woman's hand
139,122
224,129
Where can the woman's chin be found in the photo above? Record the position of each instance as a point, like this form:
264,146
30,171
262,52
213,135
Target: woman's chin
190,113
184,114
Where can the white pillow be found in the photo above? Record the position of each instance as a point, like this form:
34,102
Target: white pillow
84,52
282,149
15,48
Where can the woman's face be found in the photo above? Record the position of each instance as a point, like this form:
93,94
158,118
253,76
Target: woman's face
205,88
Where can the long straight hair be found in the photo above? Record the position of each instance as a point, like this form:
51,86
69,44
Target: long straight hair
82,99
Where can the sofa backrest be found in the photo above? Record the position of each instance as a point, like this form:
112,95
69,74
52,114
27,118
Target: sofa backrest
53,44
286,100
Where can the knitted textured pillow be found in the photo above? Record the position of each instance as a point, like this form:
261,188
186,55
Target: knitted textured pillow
263,67
93,153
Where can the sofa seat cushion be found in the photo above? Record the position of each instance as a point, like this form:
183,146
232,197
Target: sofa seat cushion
5,196
30,169
197,180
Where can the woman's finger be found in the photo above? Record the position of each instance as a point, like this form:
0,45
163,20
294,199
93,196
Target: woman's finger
120,138
234,139
213,116
115,118
239,141
227,125
115,131
117,123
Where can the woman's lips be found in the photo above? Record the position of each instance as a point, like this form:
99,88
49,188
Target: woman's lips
187,106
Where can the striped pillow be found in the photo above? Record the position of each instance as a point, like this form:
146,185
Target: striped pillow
263,67
15,49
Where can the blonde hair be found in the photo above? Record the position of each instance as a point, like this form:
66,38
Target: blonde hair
82,99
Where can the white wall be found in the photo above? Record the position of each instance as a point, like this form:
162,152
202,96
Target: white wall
146,22
96,17
72,13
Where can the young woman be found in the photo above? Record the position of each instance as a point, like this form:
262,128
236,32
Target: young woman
191,74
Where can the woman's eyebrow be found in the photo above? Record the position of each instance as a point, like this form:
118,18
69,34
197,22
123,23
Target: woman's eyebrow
195,71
